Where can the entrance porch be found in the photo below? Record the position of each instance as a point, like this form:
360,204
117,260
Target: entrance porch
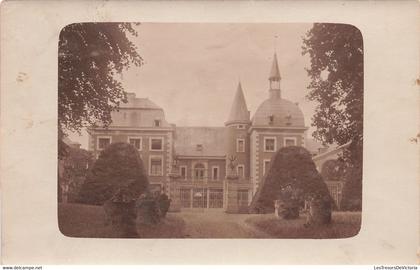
228,196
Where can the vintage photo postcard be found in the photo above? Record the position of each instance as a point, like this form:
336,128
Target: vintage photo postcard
223,171
170,128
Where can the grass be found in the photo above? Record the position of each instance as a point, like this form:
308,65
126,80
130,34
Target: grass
79,220
344,225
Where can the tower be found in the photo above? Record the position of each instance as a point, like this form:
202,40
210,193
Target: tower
237,136
274,79
236,186
277,123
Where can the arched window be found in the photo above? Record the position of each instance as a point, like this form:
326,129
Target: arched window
199,170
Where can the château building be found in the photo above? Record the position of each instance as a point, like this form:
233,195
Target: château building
207,167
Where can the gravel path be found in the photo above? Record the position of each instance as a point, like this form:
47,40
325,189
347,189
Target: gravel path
214,224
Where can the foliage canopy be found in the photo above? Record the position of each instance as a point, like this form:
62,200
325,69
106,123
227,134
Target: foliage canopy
336,72
90,57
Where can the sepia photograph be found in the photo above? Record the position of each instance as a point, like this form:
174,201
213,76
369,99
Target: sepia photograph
198,133
210,130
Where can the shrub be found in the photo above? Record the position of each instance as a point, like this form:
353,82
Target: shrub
291,168
118,166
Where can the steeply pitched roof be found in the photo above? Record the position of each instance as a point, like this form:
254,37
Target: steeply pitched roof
139,103
239,111
275,73
211,139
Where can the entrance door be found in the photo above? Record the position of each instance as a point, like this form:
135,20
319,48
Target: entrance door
199,198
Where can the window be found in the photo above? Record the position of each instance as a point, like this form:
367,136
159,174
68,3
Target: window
157,123
266,166
270,144
241,171
136,142
156,144
215,173
242,197
288,119
240,126
240,145
199,170
271,119
103,142
156,166
290,141
199,147
183,172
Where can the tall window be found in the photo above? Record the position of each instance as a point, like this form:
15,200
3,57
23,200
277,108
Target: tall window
103,142
157,123
289,142
136,142
240,145
156,166
266,166
241,171
215,173
270,144
183,172
156,144
199,171
242,197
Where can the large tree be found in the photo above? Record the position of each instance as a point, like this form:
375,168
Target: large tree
336,72
90,57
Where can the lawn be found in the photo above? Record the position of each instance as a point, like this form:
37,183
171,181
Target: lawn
79,220
344,225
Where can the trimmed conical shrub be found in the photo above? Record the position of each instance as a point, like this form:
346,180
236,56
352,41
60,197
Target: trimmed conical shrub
291,170
118,167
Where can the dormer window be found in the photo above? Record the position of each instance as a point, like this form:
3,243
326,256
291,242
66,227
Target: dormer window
199,147
288,119
271,119
157,123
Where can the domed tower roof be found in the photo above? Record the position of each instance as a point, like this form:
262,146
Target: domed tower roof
278,112
239,111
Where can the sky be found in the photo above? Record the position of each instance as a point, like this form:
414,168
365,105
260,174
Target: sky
192,70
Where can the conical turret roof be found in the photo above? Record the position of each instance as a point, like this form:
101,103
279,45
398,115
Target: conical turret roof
239,111
275,73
